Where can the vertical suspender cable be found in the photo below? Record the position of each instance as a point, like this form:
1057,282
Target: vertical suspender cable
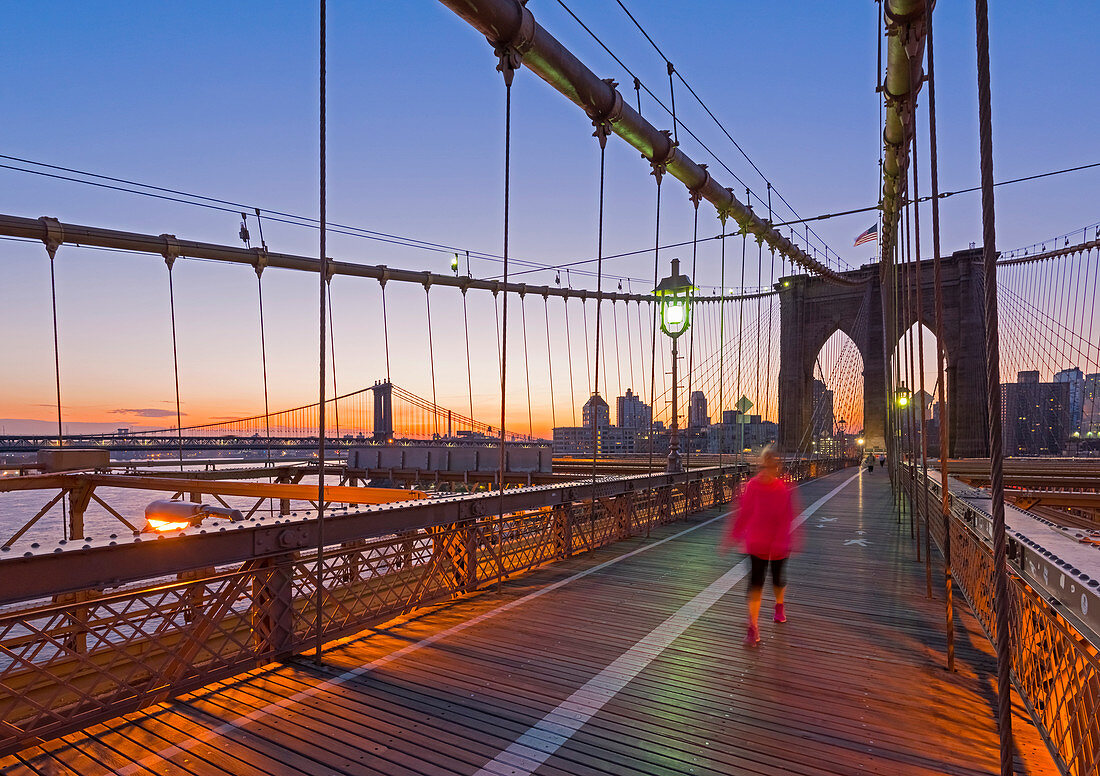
569,355
332,349
695,199
993,383
771,327
527,366
263,356
941,367
920,362
722,348
601,133
740,328
322,158
51,249
549,361
658,172
507,68
431,360
170,261
386,327
469,375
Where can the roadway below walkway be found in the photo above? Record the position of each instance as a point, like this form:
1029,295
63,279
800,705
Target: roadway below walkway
625,660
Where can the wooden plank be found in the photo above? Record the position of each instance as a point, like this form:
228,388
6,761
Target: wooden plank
852,683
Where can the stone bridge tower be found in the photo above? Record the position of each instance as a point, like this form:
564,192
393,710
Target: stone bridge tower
812,309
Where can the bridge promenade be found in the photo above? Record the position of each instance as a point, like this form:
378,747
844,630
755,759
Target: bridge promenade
627,659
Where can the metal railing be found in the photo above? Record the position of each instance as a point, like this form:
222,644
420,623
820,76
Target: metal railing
1055,664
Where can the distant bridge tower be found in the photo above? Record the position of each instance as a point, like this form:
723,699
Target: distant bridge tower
383,411
812,309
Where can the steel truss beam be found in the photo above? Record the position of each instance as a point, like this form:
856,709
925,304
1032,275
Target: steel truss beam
51,231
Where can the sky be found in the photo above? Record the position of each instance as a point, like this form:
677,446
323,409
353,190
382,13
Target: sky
223,103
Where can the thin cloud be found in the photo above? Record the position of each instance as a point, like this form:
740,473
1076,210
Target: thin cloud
146,412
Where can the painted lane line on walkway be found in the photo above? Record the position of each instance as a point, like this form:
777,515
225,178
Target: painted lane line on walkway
353,673
540,742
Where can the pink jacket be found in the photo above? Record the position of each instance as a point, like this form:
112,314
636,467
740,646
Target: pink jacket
763,523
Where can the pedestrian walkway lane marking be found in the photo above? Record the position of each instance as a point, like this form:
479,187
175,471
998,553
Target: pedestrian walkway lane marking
549,734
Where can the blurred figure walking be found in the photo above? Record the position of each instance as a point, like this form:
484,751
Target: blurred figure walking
763,526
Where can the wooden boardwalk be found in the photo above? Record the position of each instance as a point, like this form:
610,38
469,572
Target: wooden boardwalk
627,660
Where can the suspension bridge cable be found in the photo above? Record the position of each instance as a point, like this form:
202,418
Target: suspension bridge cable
431,356
469,370
569,349
639,85
549,361
527,366
722,351
945,453
263,355
602,129
509,61
322,187
691,333
740,331
51,250
386,327
332,348
170,260
920,351
658,172
709,112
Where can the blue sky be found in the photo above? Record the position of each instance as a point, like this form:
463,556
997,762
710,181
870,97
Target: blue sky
222,102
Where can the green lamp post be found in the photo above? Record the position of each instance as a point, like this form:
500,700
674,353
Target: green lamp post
674,294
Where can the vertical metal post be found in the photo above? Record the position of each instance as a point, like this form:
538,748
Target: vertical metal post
674,436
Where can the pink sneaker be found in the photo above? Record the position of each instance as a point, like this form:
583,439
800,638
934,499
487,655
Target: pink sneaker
752,638
780,613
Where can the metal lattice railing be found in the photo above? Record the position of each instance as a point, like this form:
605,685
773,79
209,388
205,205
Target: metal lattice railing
1055,668
91,655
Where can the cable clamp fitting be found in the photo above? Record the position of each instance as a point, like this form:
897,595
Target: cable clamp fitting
171,249
603,120
660,164
696,194
55,235
510,52
261,261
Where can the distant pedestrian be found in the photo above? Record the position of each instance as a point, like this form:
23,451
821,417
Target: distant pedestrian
763,526
869,462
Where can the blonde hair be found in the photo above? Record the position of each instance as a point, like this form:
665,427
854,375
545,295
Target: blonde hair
768,453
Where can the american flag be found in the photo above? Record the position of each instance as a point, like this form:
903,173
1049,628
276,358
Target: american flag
868,236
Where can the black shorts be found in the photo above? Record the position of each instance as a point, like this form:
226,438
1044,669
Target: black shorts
760,571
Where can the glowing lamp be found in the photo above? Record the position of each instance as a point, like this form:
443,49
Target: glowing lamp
902,395
164,516
675,293
454,264
860,441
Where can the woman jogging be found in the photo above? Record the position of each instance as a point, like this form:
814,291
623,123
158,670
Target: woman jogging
764,527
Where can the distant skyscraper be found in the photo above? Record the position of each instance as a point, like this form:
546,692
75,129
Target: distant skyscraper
1035,416
822,407
1090,406
598,408
631,411
697,410
1076,379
